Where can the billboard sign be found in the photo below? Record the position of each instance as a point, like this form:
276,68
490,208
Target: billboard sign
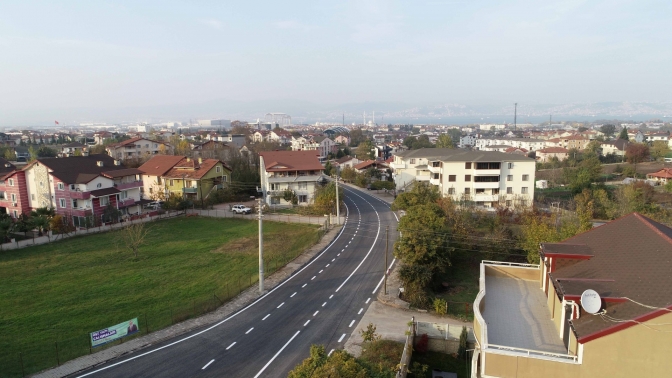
115,332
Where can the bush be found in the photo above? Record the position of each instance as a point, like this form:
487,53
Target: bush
422,344
378,185
462,349
369,334
440,306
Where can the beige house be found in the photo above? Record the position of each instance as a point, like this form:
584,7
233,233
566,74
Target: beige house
530,320
296,171
136,148
546,154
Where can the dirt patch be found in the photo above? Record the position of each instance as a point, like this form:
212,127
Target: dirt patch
238,245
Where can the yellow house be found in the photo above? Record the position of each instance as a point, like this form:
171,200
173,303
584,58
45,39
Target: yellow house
531,321
192,178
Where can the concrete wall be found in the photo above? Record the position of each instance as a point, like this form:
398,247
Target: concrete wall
528,274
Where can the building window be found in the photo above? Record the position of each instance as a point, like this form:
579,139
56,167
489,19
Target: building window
104,201
74,204
467,191
451,191
123,195
303,185
13,197
412,161
170,183
495,191
188,184
99,185
224,178
16,214
480,191
11,182
435,176
467,165
32,197
218,169
487,165
523,190
509,178
509,190
510,165
508,203
303,198
60,186
526,177
467,177
62,200
486,179
451,178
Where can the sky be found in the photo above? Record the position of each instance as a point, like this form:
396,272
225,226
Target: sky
73,59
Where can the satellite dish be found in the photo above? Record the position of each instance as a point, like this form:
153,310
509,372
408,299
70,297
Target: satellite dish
591,301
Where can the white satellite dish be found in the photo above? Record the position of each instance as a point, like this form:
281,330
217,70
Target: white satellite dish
591,301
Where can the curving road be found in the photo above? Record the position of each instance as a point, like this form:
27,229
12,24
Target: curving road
319,304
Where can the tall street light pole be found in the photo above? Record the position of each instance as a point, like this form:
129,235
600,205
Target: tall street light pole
387,241
261,250
338,207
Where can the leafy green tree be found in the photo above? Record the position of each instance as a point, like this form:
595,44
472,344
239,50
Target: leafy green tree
40,219
659,149
339,154
537,230
325,198
624,134
339,365
10,155
328,169
348,174
584,175
422,142
364,150
445,141
45,151
289,196
369,334
608,130
356,137
421,193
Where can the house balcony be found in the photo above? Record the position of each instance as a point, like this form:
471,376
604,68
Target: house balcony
485,197
395,166
433,169
486,185
423,178
512,321
487,172
126,202
128,185
434,181
76,194
190,190
81,211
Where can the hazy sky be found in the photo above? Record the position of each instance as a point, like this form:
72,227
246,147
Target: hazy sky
56,58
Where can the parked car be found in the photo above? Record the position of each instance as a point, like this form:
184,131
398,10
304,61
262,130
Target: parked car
156,205
241,209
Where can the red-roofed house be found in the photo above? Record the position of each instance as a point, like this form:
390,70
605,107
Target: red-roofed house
546,154
530,319
13,190
661,177
298,171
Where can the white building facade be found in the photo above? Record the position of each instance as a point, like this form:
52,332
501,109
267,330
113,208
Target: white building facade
297,171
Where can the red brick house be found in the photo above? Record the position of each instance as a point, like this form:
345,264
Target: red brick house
13,190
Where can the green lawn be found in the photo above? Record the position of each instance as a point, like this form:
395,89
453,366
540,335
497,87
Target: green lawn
438,361
462,278
61,291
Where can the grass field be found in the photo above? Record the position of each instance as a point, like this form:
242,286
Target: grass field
59,292
438,361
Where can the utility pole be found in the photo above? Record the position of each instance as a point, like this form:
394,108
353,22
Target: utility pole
338,207
261,250
387,242
515,115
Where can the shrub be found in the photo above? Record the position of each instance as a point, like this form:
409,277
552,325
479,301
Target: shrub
440,306
462,349
369,334
422,344
378,185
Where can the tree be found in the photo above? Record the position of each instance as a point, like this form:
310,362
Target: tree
348,174
45,151
364,150
340,364
32,151
624,134
41,219
10,155
356,137
584,175
422,142
584,209
445,141
289,196
582,129
328,168
369,334
608,130
133,236
659,149
636,153
421,193
537,230
325,198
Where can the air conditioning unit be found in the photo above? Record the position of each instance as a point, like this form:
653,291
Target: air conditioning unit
14,204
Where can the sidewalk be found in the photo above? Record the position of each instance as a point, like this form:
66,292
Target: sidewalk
245,298
288,218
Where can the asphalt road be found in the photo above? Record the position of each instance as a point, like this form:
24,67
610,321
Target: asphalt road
319,304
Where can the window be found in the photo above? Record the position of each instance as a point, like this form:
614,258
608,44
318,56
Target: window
510,165
467,191
74,204
451,178
467,177
188,184
435,176
72,186
104,201
509,190
13,197
508,203
303,198
486,178
480,191
224,178
509,178
303,185
526,177
487,165
11,182
170,183
41,184
451,191
99,185
467,165
123,195
412,161
156,145
62,203
495,191
218,169
32,197
16,214
60,186
523,190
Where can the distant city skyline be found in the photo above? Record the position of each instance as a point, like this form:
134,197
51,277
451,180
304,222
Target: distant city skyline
87,61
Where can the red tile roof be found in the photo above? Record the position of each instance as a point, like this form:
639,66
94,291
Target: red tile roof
160,164
663,173
190,168
282,161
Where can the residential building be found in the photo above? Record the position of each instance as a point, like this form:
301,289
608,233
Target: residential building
13,190
467,141
137,148
279,135
72,149
346,161
101,137
343,140
529,144
546,154
488,179
530,319
235,139
575,141
322,144
82,187
260,136
660,177
616,147
299,171
195,179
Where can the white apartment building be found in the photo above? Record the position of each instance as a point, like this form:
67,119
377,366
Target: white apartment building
136,148
526,143
486,178
298,171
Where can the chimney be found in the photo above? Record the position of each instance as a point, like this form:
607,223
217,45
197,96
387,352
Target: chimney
99,163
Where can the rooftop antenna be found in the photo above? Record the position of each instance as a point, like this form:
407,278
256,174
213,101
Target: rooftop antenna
515,115
591,301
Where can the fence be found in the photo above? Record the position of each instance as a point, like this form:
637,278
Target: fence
19,362
463,310
273,217
408,351
51,237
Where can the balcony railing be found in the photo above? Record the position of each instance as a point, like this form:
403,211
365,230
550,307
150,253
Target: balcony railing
128,185
189,190
126,202
478,197
76,194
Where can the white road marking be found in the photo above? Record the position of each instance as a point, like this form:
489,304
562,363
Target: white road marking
266,317
343,250
351,323
367,301
331,296
360,311
327,265
306,323
338,254
341,339
276,355
332,260
316,313
232,344
313,278
281,304
304,285
291,296
249,330
324,304
208,364
320,271
330,352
